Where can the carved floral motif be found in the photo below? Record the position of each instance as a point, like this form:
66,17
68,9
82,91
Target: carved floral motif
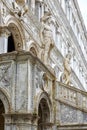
5,76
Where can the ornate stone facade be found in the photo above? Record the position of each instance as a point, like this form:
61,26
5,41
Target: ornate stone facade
43,65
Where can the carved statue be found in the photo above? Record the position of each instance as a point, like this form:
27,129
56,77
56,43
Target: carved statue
46,36
67,69
20,8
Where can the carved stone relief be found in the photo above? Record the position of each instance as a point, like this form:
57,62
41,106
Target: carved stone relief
5,75
41,79
67,70
3,12
20,8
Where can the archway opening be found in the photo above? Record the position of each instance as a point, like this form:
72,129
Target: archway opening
2,110
11,45
15,40
44,115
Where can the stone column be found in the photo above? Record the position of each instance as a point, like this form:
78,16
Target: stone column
4,34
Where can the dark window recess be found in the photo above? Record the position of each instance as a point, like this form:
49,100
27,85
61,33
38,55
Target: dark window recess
11,46
2,110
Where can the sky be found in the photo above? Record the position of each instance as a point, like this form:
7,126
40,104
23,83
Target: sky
83,8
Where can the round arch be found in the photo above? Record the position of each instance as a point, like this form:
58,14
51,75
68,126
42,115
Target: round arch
39,97
5,100
31,44
33,48
33,51
5,107
44,110
16,30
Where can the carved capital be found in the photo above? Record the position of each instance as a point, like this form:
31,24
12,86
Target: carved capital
4,31
20,117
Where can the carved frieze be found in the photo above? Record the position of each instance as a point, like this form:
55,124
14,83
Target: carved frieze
41,80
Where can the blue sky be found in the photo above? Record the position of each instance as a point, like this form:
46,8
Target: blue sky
83,8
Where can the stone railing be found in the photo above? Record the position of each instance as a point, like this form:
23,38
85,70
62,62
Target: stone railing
71,96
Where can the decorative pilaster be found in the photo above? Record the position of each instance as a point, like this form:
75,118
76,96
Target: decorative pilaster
4,34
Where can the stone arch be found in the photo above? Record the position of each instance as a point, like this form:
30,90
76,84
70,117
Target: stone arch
38,98
33,51
5,100
16,30
44,110
33,48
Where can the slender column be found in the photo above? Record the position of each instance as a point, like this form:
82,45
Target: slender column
4,34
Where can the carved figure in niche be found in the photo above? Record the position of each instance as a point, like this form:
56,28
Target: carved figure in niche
41,80
67,69
46,36
20,7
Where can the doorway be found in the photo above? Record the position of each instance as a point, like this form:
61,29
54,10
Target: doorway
2,110
44,115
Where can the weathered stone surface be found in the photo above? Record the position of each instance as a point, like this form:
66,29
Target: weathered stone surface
35,36
68,114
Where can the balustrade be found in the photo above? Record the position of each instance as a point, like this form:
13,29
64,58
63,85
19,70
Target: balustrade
71,96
